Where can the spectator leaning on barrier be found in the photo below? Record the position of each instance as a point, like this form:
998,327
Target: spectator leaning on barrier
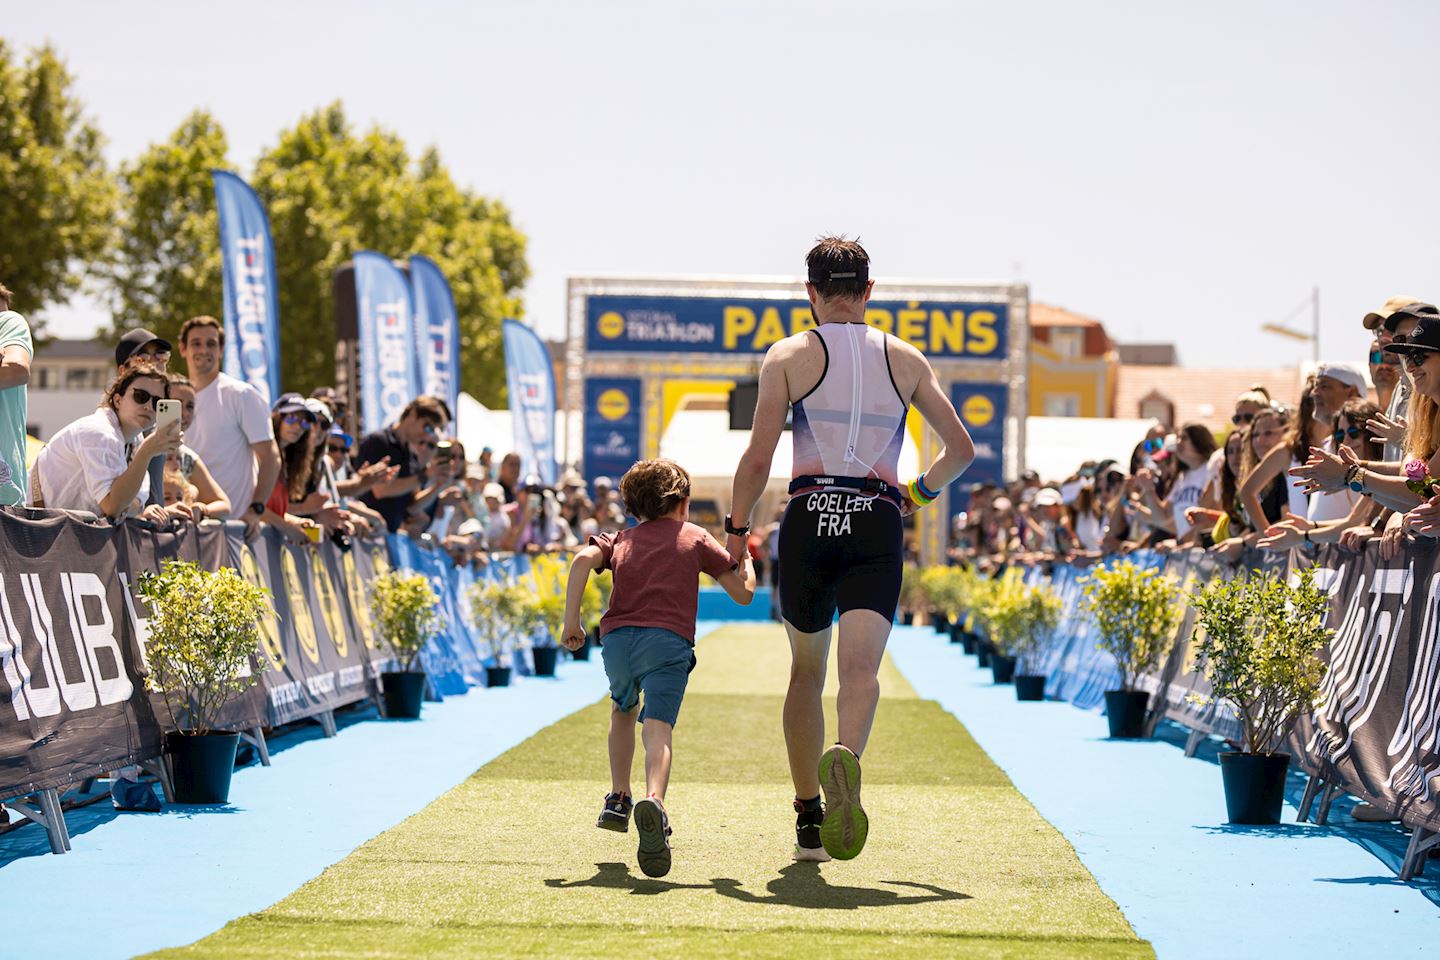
142,345
232,431
291,422
405,445
1352,434
209,501
1335,383
84,466
16,350
509,476
1396,318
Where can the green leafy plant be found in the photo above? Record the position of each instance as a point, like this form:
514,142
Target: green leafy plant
912,596
1258,641
1136,613
1020,619
406,613
503,610
596,598
204,637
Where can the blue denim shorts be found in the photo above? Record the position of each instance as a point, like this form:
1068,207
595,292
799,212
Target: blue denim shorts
649,660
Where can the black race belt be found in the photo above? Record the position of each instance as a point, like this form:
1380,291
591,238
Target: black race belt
866,486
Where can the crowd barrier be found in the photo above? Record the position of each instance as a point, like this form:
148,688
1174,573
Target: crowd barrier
1375,733
73,703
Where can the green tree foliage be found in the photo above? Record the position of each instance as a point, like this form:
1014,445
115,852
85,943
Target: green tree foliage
167,262
1136,614
331,193
1259,642
59,201
204,632
406,612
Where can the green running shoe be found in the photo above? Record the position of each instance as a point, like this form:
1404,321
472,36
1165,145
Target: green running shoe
845,827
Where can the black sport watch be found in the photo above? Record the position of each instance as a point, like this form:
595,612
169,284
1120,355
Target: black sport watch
258,508
735,531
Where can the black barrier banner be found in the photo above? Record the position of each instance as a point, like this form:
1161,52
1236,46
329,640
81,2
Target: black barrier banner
145,550
72,697
314,665
365,561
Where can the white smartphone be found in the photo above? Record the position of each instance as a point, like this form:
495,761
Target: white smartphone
166,413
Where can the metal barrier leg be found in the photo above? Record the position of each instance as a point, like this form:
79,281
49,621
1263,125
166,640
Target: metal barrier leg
161,771
48,814
1421,840
1328,797
326,719
255,736
1312,787
1192,743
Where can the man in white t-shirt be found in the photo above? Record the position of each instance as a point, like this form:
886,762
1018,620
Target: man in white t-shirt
1334,384
231,431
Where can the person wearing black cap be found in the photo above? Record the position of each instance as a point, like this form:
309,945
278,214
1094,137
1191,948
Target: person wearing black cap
841,542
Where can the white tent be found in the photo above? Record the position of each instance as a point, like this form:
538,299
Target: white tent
1056,446
477,426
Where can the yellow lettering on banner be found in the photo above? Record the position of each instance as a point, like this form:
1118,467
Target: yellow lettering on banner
910,326
801,319
737,323
771,329
880,319
983,338
947,332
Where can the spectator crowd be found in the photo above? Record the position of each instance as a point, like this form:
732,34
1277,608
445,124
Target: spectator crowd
1352,459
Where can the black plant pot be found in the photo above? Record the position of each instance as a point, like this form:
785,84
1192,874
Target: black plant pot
969,640
982,654
200,765
497,676
1254,786
1125,709
957,633
1029,687
1002,668
584,652
908,617
941,623
544,658
403,692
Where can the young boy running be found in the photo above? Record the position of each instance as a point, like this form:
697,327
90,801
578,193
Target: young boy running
648,636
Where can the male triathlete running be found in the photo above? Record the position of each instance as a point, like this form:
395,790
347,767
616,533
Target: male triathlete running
840,541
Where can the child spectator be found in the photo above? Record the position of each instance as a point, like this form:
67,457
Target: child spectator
648,636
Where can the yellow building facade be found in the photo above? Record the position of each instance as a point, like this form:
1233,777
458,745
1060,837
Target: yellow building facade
1072,366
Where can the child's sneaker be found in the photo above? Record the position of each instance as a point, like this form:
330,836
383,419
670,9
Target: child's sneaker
845,826
615,815
654,828
808,817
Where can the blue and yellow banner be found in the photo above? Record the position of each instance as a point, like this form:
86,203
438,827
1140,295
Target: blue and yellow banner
531,380
612,426
634,324
982,408
252,302
437,328
389,371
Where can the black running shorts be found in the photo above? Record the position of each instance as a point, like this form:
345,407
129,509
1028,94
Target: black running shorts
838,546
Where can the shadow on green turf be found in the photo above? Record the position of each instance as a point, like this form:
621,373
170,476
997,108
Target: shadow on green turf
799,885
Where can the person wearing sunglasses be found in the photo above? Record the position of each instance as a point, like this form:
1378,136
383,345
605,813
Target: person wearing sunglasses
1248,404
1353,436
292,422
85,466
406,444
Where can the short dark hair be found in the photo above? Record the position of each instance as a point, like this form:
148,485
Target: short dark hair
431,408
202,321
652,488
838,255
136,370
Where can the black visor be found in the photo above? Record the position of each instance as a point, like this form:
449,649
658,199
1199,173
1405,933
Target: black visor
859,272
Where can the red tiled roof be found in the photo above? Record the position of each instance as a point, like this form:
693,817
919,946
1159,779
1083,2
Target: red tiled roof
1204,395
1044,315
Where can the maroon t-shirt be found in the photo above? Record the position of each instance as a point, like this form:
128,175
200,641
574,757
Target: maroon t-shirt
657,567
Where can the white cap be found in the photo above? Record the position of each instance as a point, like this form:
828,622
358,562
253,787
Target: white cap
1349,374
1048,497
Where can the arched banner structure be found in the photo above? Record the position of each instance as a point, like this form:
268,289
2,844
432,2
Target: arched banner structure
638,349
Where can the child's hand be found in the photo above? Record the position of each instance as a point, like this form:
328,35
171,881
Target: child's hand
572,638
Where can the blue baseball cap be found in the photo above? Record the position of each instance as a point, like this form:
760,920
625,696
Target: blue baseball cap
335,431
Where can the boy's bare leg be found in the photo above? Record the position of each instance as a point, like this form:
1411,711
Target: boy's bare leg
863,634
657,734
804,717
622,748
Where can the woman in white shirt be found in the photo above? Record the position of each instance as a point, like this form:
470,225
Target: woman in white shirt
85,466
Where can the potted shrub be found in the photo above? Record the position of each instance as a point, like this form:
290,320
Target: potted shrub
1004,614
1039,615
549,610
912,597
981,592
1136,613
501,611
202,651
932,585
406,614
1258,644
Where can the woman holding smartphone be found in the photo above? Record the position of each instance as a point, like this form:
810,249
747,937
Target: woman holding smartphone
85,465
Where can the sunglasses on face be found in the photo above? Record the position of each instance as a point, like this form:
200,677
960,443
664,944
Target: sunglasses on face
1152,445
1240,418
1380,357
295,420
144,397
1351,432
430,429
338,448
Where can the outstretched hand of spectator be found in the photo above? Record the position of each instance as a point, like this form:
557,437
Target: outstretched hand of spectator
1385,429
1229,550
1324,472
373,474
156,514
1424,519
1353,539
1394,536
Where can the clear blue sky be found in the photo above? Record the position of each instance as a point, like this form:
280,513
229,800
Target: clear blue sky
1183,172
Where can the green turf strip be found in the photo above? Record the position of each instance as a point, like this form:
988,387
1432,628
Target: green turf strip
510,862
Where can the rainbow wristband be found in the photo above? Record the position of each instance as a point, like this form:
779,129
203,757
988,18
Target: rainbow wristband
920,482
917,496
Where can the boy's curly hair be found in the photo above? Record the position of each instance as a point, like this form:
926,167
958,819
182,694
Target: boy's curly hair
652,488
